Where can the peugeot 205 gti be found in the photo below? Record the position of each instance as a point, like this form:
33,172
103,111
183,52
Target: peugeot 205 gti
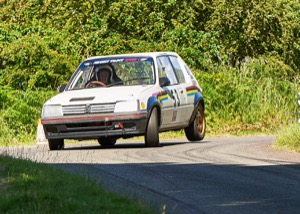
121,96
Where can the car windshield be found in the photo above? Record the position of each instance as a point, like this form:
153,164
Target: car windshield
109,72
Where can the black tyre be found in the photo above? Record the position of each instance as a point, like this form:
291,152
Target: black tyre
151,135
105,141
56,144
196,130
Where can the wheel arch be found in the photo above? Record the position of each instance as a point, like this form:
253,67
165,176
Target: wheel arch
154,103
197,100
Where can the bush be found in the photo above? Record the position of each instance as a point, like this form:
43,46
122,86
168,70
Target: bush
33,66
244,99
36,48
289,137
245,53
20,111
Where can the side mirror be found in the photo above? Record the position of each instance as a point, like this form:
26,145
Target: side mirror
61,88
164,81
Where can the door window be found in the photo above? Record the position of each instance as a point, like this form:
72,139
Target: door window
165,69
177,69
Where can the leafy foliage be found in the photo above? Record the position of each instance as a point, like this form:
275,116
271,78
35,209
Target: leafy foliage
253,28
20,111
246,53
289,137
45,40
247,99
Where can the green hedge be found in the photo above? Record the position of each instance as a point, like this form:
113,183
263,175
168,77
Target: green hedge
245,53
42,42
236,100
20,111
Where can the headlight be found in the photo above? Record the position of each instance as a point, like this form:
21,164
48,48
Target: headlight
51,111
127,106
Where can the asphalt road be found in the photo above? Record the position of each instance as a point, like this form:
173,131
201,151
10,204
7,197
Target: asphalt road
217,175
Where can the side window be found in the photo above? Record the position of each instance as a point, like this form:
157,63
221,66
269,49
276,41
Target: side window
177,68
81,78
165,69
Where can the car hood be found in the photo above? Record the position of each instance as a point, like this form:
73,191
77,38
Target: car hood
98,95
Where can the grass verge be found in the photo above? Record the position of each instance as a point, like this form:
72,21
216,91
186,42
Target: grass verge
30,187
289,137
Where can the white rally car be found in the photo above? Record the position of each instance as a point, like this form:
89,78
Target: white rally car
121,96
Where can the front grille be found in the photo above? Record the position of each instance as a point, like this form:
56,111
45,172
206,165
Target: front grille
102,108
88,109
74,109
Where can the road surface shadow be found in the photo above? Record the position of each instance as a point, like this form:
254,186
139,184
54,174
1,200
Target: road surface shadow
200,188
124,145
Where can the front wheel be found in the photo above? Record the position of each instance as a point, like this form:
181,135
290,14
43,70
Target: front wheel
196,130
151,135
56,144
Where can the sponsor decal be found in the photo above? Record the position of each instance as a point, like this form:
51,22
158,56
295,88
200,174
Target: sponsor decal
191,91
101,62
87,64
130,59
161,96
115,60
174,116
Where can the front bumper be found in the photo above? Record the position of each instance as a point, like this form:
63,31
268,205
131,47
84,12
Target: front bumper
95,126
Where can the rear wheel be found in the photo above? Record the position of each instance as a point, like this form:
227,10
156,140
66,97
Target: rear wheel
196,130
151,135
56,144
105,141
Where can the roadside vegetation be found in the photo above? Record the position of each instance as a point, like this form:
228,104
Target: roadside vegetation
245,54
289,137
29,187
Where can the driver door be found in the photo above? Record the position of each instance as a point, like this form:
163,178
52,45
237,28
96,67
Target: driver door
172,107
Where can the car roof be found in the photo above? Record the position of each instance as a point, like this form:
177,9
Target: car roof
144,54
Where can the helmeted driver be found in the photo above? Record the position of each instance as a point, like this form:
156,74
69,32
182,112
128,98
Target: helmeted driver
104,75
